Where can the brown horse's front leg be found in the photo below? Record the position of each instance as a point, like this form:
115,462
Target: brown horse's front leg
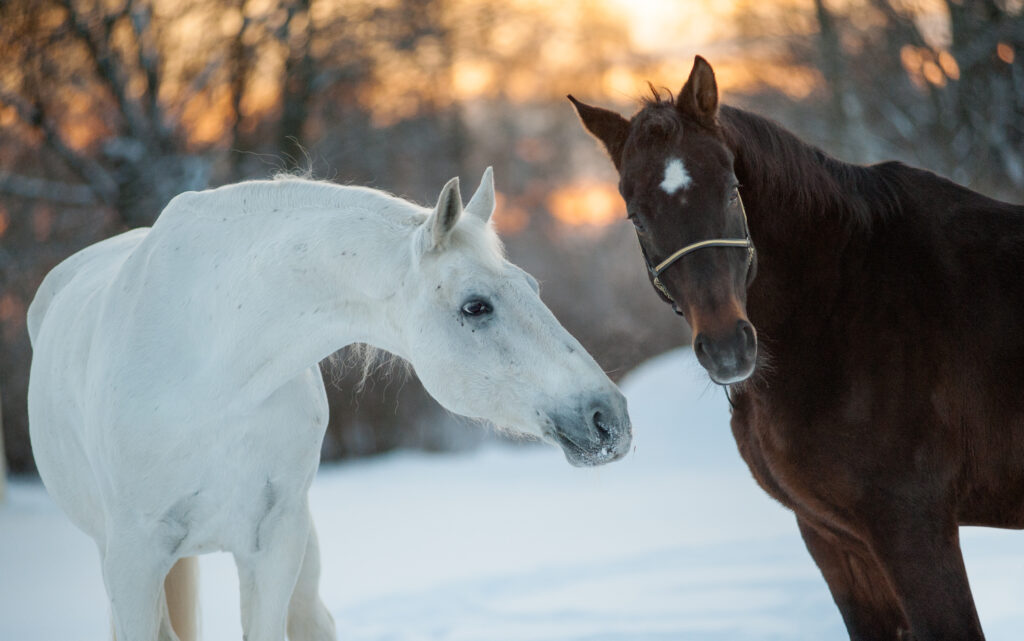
858,584
921,556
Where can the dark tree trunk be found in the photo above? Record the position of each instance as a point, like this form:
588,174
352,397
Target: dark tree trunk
845,127
3,454
239,63
298,82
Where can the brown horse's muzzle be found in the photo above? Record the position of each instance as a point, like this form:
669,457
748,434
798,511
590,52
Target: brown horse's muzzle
728,355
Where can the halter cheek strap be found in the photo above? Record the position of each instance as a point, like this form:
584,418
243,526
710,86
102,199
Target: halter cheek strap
744,242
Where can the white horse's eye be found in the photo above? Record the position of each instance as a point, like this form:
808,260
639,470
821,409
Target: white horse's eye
476,307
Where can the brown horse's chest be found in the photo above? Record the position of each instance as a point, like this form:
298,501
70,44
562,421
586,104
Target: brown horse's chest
832,465
795,474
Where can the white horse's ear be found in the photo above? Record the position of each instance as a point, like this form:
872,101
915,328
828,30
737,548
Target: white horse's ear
442,220
481,204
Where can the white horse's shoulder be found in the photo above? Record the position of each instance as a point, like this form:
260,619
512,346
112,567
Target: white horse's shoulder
101,256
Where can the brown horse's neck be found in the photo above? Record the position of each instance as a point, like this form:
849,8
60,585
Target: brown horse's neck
808,214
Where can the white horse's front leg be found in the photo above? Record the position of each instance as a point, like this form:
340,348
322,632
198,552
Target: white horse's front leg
308,617
268,573
134,578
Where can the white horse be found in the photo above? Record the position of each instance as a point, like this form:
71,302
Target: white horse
176,405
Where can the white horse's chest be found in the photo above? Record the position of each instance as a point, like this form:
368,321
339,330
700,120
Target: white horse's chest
243,472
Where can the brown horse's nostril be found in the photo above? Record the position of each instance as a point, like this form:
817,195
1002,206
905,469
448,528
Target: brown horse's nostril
749,337
730,357
700,349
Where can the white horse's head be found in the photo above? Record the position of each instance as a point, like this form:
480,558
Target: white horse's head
485,346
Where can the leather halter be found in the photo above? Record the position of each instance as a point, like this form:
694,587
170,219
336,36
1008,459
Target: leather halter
660,268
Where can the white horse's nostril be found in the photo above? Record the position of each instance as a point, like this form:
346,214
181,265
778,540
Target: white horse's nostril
603,432
594,432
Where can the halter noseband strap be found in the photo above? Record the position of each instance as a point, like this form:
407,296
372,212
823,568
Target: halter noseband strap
660,268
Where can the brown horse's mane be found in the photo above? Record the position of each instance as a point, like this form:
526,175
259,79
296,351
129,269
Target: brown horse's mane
816,182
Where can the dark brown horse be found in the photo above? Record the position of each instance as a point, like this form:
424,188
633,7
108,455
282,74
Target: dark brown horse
885,403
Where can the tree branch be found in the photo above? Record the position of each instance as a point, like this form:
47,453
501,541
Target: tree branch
100,182
149,62
43,189
106,67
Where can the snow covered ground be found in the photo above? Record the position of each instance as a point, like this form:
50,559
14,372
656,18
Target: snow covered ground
675,542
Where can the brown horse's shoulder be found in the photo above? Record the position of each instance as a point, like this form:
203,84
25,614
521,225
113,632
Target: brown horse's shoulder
855,443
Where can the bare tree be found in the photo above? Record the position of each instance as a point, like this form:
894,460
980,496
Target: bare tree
297,81
113,53
240,59
846,126
989,94
953,103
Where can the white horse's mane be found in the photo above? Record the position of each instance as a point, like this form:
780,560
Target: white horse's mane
288,191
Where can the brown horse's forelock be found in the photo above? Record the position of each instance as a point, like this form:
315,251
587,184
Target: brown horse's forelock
659,121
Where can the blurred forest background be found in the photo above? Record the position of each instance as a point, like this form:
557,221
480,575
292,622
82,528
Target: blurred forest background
108,108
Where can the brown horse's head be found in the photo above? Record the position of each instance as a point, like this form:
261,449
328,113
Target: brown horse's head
676,176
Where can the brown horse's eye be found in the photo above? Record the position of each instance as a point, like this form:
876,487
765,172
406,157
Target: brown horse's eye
637,224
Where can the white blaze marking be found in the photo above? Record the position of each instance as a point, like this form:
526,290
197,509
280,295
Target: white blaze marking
676,177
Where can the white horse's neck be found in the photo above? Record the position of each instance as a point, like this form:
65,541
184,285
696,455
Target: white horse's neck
279,275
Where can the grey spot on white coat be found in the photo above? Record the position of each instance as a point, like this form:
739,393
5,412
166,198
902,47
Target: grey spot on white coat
269,500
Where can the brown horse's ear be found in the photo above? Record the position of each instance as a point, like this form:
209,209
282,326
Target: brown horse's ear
699,97
607,126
